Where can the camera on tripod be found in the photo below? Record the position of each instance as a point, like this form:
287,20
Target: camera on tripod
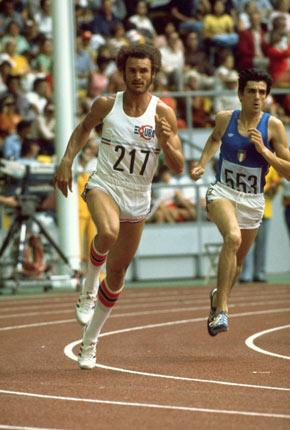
30,184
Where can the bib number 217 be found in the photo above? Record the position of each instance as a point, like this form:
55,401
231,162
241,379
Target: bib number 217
132,154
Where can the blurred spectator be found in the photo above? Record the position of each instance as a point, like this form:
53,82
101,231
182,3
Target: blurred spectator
14,89
83,64
33,37
9,118
29,152
5,71
172,58
281,9
285,185
228,101
140,19
43,129
12,146
8,13
244,18
104,20
86,164
195,56
40,94
98,80
20,65
160,85
118,38
201,107
13,33
43,60
164,207
219,28
250,46
43,18
225,63
188,14
278,52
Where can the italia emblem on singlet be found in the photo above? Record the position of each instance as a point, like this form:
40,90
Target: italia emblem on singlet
241,155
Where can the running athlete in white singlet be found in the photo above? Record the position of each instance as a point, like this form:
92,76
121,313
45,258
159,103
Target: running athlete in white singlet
136,126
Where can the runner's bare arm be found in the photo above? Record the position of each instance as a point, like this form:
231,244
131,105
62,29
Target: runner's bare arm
78,139
212,144
166,132
280,160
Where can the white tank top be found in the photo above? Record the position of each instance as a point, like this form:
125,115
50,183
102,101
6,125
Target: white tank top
129,151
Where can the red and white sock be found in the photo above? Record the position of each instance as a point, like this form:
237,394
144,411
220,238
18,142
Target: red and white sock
97,260
106,300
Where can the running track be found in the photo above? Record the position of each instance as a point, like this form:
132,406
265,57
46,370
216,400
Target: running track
157,366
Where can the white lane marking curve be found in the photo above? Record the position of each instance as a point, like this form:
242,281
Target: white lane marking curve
250,342
68,351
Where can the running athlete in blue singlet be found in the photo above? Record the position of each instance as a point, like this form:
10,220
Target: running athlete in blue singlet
249,141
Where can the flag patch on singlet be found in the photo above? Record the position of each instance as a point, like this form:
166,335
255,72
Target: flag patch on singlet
145,131
106,141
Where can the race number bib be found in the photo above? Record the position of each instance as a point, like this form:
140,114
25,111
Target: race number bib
241,178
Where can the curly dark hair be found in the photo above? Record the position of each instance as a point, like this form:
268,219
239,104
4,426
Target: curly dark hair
254,75
139,51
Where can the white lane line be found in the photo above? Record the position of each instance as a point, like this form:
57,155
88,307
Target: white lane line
68,351
250,342
42,324
158,311
6,427
147,405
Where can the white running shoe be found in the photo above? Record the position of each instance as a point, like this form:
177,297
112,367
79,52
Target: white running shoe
87,356
85,308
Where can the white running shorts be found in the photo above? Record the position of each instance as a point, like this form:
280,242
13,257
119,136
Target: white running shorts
249,207
132,199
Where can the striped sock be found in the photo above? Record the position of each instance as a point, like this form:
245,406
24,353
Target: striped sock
106,300
95,264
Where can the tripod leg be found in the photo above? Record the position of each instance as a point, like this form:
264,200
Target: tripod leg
21,246
51,241
11,232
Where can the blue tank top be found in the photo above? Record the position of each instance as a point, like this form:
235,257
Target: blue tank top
240,166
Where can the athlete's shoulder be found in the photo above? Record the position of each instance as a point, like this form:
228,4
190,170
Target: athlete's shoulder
275,122
224,115
163,109
103,103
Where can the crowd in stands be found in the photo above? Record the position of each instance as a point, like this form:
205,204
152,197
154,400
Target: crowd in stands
203,44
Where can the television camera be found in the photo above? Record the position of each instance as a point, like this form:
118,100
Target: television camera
30,184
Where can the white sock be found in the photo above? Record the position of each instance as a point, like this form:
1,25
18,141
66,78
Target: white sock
101,314
91,283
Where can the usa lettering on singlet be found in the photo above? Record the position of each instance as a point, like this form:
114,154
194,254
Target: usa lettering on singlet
129,150
240,166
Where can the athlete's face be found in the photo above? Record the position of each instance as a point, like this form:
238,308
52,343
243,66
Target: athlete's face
254,96
138,74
